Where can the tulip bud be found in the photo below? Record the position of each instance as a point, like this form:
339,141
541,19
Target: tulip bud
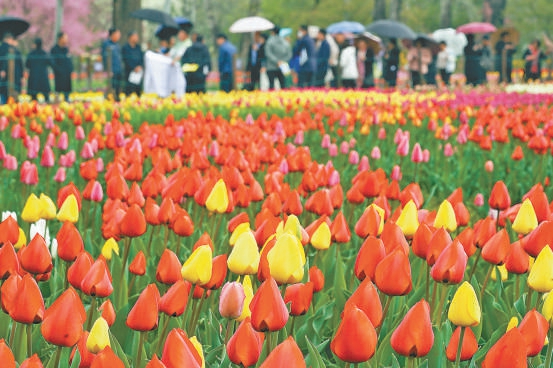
218,200
198,267
231,300
408,220
69,210
98,338
110,247
464,309
446,217
541,273
526,219
244,257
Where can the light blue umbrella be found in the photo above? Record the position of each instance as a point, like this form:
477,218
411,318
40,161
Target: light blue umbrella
345,27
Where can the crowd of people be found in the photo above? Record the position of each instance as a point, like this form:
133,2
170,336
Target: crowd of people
315,60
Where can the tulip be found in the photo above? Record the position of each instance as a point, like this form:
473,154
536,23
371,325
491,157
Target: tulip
70,242
107,358
69,210
450,265
286,354
198,267
397,264
534,328
97,281
98,338
416,155
371,222
269,313
488,166
299,295
155,362
138,265
446,217
286,259
508,351
244,257
199,349
479,200
231,300
526,219
414,336
408,220
248,291
48,208
464,309
108,312
366,298
6,356
78,270
375,153
218,200
178,351
499,197
174,302
28,306
169,268
64,319
371,253
144,314
448,150
32,209
497,248
468,349
316,277
244,347
9,263
321,238
541,273
32,362
9,231
133,224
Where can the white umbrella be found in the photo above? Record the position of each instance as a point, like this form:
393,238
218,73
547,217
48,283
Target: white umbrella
251,24
456,42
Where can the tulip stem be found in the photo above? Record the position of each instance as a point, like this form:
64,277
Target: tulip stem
434,295
427,290
549,354
140,347
163,332
91,313
440,307
490,270
529,298
149,248
291,333
517,288
227,333
384,312
131,284
126,252
29,340
198,311
188,306
58,356
478,254
12,333
459,348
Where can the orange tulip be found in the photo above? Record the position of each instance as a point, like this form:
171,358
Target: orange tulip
421,241
174,301
9,263
6,355
107,359
469,348
32,362
371,253
138,264
534,328
97,281
244,347
451,264
366,298
355,340
168,268
286,354
393,238
439,241
368,223
499,197
108,312
155,363
299,295
539,238
78,270
497,248
35,258
483,231
64,319
340,229
9,231
144,314
70,242
508,352
414,336
317,277
86,356
178,351
218,272
517,261
397,264
133,223
65,192
28,306
269,313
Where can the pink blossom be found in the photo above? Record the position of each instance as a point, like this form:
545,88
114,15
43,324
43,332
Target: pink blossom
63,141
403,147
446,131
398,136
16,131
153,141
343,120
479,200
3,123
49,123
2,150
352,142
249,120
87,152
375,153
396,173
28,173
425,155
462,137
32,150
488,166
79,133
283,167
333,150
10,162
47,159
136,147
99,164
325,143
179,133
448,150
382,134
290,148
363,164
432,125
108,129
119,139
299,138
416,155
353,157
333,178
60,175
51,140
344,148
213,149
97,193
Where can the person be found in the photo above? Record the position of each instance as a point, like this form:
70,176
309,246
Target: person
256,59
473,54
182,43
348,64
533,57
365,62
62,65
112,51
391,62
418,58
442,63
9,51
504,51
332,74
323,56
225,62
38,62
133,58
304,49
197,54
277,54
486,59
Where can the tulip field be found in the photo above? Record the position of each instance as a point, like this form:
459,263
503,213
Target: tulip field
278,229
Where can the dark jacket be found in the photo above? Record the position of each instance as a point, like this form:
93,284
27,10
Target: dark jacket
198,54
255,65
5,52
226,52
132,57
391,63
323,54
306,46
472,64
63,67
528,74
116,59
38,62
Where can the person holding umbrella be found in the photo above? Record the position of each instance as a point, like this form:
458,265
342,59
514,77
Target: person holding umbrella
225,62
62,65
305,51
256,59
391,62
133,58
112,51
38,62
182,43
365,62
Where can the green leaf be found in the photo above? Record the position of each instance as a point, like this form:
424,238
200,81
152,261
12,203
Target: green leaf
314,358
116,347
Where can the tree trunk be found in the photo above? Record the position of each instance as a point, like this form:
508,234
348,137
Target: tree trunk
445,13
395,10
212,20
379,11
497,12
59,18
247,38
121,19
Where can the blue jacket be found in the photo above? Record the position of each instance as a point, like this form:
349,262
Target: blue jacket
226,51
116,59
306,43
323,54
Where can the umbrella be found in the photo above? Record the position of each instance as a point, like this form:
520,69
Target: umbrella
16,26
391,29
251,24
345,27
164,32
456,42
284,32
512,35
476,27
156,16
374,42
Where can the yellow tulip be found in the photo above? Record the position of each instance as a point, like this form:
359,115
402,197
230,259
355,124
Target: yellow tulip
32,209
240,229
446,217
547,308
99,336
381,213
217,200
248,290
293,226
244,257
503,273
408,220
286,262
199,349
21,241
464,310
48,211
197,268
540,277
110,247
526,219
69,210
513,322
322,238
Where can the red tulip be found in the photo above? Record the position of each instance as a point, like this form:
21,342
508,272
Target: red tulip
168,268
244,347
32,362
439,241
397,264
9,263
499,197
286,354
299,295
155,363
97,281
6,355
534,328
508,352
368,223
218,272
414,336
138,264
178,351
9,231
497,248
340,229
133,223
451,264
78,270
469,348
317,277
355,340
35,258
144,314
107,359
517,261
366,298
64,319
269,313
108,312
70,242
421,240
174,301
371,253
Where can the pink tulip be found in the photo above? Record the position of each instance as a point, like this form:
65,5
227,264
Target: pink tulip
119,139
136,146
2,150
398,136
425,155
343,120
32,150
153,141
47,159
325,143
446,131
463,117
363,164
279,129
488,166
99,164
382,134
479,200
396,173
87,152
51,140
213,149
49,123
10,162
179,133
290,148
79,133
28,174
16,131
107,129
416,155
432,125
448,150
249,120
352,142
3,123
333,178
403,147
462,137
353,157
344,148
94,144
63,141
299,138
375,153
376,118
97,193
333,150
60,175
231,301
283,167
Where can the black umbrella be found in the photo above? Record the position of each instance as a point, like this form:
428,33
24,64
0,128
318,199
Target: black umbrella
391,29
427,41
156,16
164,32
16,26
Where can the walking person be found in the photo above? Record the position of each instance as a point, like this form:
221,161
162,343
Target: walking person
225,62
333,61
256,59
442,63
348,65
62,66
277,54
504,51
304,49
9,51
486,59
365,64
323,56
38,62
391,63
133,58
533,57
198,56
473,54
419,58
112,51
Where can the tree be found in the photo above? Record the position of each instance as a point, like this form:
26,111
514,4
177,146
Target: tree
497,9
121,18
379,11
395,9
445,13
